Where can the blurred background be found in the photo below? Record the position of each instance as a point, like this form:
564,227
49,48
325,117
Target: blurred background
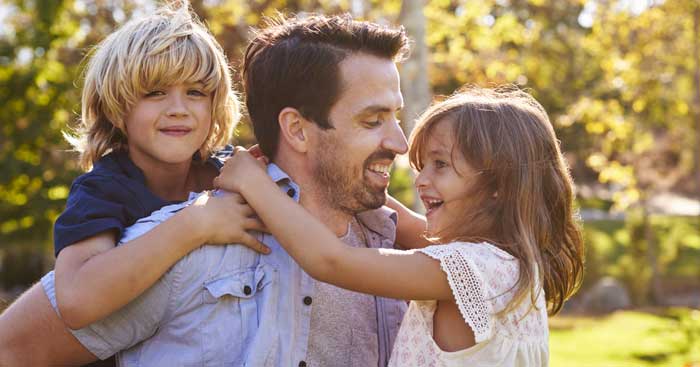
619,78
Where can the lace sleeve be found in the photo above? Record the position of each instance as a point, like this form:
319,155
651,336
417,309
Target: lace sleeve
467,284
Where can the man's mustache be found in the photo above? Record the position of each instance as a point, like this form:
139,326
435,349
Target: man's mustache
382,154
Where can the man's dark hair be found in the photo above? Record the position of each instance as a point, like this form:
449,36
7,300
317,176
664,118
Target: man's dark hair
295,63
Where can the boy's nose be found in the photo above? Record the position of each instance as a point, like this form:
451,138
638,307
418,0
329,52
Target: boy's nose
177,107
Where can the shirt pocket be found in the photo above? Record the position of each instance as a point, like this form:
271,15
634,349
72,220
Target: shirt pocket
232,316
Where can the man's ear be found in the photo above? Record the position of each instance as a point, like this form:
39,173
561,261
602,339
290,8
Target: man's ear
293,129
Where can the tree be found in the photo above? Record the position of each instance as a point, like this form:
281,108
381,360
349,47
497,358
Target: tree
638,112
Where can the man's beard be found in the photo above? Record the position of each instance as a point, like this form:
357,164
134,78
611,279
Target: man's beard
339,183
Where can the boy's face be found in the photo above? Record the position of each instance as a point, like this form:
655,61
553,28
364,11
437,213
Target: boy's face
351,162
168,125
445,181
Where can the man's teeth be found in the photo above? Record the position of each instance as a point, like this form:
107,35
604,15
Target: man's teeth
379,168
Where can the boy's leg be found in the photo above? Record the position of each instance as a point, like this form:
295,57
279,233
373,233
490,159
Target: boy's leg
32,334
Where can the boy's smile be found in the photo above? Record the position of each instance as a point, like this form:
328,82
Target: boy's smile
168,125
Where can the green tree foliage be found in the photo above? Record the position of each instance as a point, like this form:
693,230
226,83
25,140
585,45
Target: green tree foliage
637,110
37,72
617,79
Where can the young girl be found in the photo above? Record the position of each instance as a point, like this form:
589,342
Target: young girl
157,96
499,203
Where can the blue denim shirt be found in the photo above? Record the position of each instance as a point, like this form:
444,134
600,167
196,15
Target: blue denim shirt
225,305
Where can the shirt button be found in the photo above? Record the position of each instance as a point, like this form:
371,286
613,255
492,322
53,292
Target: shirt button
290,193
307,301
302,364
247,291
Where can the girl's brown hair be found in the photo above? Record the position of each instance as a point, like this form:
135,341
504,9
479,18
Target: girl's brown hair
523,198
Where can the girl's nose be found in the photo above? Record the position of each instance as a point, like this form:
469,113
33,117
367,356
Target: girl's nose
421,180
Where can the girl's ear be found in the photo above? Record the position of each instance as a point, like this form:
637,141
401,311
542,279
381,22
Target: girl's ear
293,129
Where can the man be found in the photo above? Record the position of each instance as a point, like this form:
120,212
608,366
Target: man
322,93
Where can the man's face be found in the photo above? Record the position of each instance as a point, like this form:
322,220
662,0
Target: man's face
351,163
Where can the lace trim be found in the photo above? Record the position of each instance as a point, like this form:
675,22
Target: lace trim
467,287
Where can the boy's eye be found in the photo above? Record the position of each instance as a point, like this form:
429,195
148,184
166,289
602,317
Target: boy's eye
155,93
197,92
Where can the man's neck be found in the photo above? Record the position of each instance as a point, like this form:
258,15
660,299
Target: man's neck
313,200
336,220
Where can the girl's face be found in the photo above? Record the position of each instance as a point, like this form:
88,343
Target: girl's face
167,125
445,180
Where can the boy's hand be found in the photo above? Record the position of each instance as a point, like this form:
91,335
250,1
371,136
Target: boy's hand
241,172
226,218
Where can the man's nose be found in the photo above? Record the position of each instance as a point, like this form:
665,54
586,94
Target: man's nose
396,140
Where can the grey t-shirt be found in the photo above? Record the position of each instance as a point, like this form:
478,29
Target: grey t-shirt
343,328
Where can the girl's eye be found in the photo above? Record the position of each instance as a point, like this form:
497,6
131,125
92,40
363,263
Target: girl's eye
440,164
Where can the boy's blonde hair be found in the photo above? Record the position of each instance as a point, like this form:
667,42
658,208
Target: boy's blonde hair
159,50
523,199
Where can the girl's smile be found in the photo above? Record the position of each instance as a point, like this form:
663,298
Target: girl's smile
445,180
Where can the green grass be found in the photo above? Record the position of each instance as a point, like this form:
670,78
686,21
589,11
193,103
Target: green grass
627,339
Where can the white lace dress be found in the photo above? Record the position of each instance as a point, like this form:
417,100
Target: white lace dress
481,277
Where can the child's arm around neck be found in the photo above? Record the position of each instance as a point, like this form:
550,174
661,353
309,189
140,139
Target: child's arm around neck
94,278
383,272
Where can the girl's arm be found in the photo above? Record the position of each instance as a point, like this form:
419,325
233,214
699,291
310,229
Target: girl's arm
94,278
321,254
410,227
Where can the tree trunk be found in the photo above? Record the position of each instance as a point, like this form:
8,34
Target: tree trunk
655,296
414,71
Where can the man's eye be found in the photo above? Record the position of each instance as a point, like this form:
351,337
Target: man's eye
373,123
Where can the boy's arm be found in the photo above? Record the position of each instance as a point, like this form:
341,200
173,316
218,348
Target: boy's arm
410,227
94,278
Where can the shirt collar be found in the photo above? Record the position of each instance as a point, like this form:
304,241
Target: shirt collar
282,178
382,221
121,158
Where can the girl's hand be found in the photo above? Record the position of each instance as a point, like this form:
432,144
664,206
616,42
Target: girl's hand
256,152
241,172
226,218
